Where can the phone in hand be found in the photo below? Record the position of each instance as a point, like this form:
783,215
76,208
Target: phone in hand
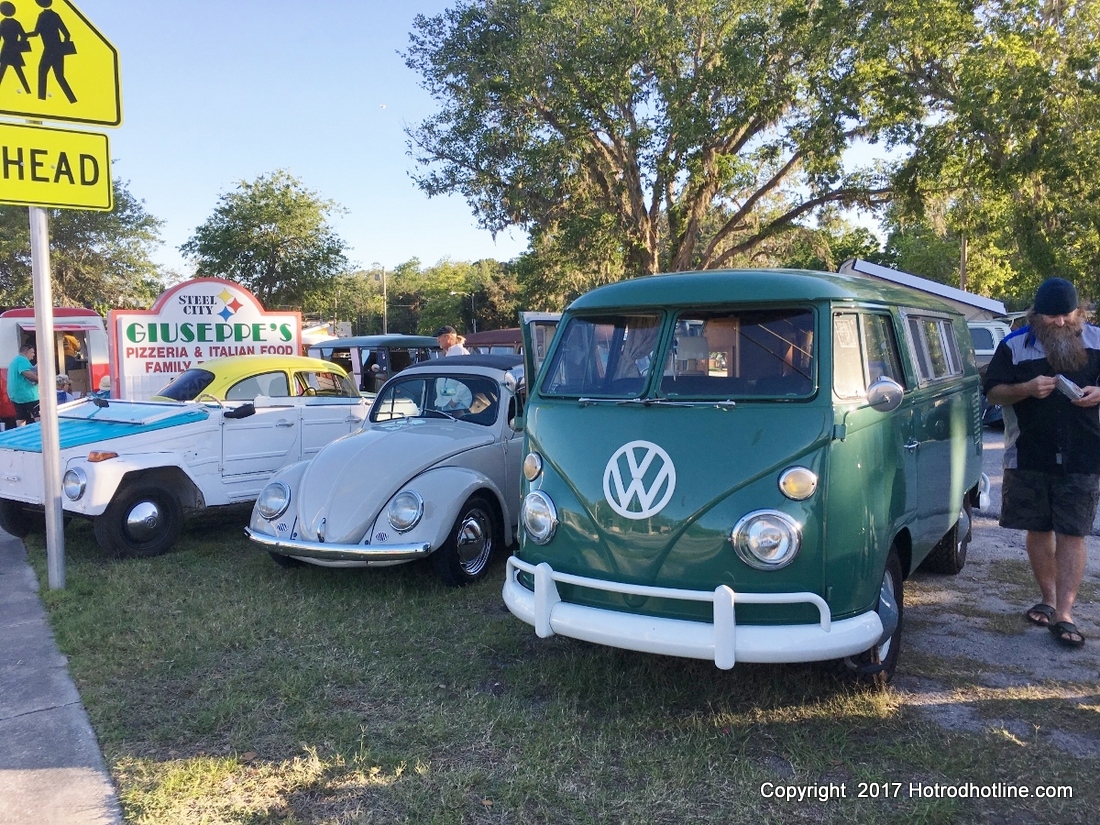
1068,388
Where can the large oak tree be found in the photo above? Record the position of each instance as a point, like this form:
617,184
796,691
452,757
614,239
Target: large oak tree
671,135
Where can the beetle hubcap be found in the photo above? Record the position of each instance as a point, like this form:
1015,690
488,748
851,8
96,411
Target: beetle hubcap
143,521
475,542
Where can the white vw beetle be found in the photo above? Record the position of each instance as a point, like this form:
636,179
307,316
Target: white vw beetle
435,473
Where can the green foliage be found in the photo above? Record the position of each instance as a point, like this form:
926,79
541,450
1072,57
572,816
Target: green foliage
919,250
422,299
273,237
99,260
1007,157
830,244
667,136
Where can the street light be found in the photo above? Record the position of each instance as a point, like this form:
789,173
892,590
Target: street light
473,309
385,302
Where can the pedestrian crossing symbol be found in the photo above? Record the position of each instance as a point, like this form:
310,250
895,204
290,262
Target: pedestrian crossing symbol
55,65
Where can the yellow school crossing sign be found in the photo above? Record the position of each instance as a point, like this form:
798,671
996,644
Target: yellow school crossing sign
55,65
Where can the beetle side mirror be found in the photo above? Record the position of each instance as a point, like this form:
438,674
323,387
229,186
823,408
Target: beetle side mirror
885,394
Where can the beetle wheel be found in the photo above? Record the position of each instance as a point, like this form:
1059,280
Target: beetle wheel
288,562
141,520
465,556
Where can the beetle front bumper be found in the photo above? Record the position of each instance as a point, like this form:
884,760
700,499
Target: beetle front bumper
341,552
723,641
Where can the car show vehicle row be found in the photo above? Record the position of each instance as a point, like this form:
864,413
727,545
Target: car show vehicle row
738,466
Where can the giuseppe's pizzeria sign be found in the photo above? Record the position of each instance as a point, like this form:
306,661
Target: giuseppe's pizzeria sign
190,323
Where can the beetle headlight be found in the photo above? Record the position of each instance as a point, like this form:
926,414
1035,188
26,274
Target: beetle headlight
273,500
74,483
539,516
767,539
532,466
405,510
798,483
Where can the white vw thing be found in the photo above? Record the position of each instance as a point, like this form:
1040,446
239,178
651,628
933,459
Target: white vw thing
437,473
135,468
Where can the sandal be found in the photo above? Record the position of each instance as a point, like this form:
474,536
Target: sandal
1066,633
1040,614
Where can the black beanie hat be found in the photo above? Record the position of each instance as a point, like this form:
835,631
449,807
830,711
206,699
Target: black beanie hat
1055,296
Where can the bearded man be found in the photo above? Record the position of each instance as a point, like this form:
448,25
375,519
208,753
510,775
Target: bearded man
1052,446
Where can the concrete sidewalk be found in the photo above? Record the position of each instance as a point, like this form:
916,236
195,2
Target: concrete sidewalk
51,769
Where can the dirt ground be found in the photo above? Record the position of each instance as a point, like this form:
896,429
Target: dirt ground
965,636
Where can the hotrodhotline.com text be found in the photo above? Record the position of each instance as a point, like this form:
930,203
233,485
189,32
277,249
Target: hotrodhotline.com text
912,790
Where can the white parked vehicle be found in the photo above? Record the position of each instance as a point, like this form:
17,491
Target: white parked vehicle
135,468
437,473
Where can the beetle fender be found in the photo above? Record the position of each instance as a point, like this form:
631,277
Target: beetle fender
445,490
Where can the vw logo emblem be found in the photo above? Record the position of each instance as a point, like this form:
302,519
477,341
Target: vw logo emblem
651,480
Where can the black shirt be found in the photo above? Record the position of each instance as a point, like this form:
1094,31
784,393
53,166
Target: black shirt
1047,434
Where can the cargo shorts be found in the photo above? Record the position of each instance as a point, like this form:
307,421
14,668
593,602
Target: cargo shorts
1065,503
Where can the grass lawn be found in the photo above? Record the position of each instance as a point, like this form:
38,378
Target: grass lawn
224,688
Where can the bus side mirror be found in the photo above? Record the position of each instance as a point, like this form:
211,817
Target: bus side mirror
885,394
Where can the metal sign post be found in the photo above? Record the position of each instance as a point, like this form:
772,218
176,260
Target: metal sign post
57,168
46,347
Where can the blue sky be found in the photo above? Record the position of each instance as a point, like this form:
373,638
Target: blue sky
217,91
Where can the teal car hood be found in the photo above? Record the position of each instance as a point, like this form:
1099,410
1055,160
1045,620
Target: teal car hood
645,485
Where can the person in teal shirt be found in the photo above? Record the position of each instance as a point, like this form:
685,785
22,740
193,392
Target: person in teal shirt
23,385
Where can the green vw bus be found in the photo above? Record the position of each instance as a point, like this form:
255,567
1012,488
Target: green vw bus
744,466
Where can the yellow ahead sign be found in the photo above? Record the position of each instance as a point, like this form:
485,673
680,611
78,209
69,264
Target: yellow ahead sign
54,167
55,65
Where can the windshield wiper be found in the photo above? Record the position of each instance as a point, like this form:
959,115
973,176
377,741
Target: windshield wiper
662,402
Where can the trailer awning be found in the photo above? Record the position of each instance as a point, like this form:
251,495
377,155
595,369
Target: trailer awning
66,324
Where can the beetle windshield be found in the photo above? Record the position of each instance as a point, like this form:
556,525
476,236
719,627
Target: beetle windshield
741,353
607,355
188,385
471,398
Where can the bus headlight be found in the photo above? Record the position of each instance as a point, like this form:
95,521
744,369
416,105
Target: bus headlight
767,539
539,516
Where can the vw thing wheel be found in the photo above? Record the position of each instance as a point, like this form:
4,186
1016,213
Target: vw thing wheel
141,520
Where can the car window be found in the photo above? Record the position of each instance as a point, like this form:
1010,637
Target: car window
934,348
981,338
730,353
609,356
271,384
325,384
188,385
475,399
864,350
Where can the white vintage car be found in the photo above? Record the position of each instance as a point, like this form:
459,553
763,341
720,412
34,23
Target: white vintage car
135,468
436,473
